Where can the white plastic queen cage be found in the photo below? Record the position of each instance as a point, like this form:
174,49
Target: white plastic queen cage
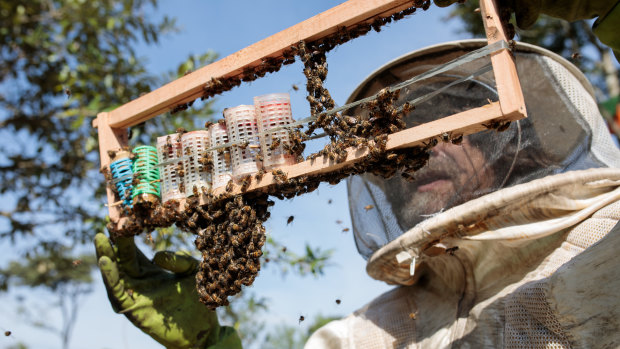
194,145
222,170
242,128
168,150
274,110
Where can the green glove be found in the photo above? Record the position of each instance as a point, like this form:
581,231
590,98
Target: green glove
527,12
160,297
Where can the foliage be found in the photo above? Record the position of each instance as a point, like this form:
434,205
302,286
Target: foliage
62,62
244,313
54,269
312,262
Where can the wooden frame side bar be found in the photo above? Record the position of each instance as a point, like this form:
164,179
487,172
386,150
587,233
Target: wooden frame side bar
190,87
504,67
109,139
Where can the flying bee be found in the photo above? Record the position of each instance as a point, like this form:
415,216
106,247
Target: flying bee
76,262
290,220
301,318
412,316
344,230
295,87
338,301
7,333
368,207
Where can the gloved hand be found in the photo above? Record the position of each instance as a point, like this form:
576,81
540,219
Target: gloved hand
527,11
159,296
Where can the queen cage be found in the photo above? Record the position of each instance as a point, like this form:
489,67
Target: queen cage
242,130
123,176
168,150
222,170
145,167
194,144
273,111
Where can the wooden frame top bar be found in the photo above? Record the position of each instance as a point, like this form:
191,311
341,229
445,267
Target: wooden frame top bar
190,87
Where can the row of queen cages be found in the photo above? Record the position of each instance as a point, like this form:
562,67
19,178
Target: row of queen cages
249,124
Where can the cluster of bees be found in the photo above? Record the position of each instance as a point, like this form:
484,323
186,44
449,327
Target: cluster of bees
230,243
229,228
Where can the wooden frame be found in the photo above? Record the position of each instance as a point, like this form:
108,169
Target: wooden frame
113,125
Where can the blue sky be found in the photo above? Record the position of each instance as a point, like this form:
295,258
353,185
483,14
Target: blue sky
226,27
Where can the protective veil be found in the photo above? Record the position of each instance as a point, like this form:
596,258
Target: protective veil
497,241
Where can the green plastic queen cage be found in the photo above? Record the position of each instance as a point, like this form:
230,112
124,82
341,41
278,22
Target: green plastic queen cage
145,168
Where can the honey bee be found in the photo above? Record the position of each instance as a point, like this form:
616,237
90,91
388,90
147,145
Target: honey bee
338,301
111,154
275,142
301,318
229,186
243,145
329,202
290,220
7,333
345,230
451,250
245,182
295,87
252,268
368,207
412,316
76,262
279,176
106,174
458,139
445,137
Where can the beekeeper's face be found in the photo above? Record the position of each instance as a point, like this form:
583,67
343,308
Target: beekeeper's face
451,177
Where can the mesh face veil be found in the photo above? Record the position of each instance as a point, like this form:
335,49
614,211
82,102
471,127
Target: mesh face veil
563,132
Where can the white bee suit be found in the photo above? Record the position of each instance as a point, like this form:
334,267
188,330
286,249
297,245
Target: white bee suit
530,262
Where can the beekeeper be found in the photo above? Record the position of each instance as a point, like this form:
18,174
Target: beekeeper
505,239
